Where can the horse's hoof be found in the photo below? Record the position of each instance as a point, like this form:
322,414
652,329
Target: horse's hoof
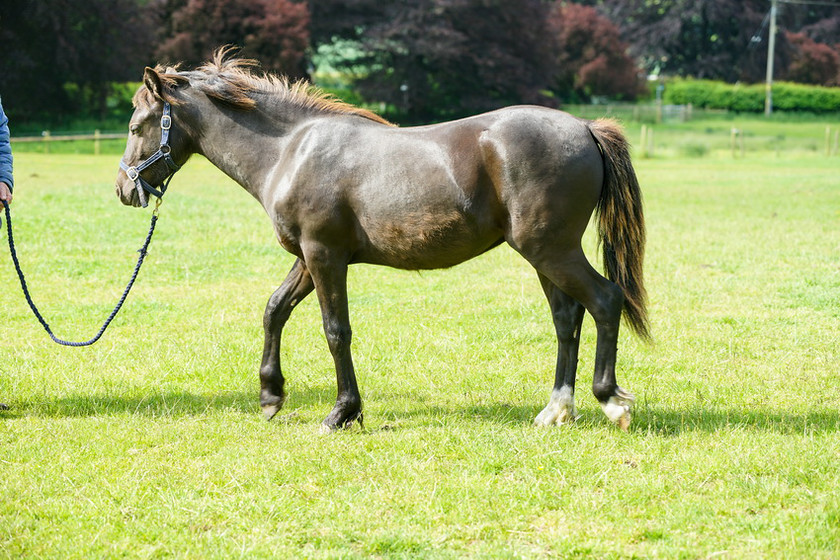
270,411
330,425
559,411
271,404
618,407
624,422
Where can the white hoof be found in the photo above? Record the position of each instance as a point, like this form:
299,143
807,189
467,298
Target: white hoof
617,408
560,410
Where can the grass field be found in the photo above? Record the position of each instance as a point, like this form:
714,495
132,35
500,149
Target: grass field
150,444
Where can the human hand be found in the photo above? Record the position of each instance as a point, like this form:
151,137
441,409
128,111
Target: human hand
5,192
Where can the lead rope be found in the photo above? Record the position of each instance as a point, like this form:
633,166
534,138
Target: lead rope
142,251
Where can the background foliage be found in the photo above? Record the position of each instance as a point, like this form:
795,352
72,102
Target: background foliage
749,98
420,59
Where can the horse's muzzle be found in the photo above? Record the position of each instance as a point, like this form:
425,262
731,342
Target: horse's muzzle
130,198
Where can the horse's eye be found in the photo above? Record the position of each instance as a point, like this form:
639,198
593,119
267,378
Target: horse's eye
134,129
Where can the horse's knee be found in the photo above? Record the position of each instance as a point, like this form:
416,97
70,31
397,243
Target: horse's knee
339,337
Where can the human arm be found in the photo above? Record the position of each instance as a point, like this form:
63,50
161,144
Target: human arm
6,179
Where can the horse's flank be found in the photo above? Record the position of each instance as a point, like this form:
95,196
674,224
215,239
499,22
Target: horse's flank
231,81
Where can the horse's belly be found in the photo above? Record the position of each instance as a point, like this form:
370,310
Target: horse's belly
425,241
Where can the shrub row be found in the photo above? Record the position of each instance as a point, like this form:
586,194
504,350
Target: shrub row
749,98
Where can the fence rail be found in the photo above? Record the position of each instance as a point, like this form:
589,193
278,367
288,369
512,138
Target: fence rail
46,138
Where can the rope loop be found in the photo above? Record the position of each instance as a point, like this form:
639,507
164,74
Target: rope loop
143,251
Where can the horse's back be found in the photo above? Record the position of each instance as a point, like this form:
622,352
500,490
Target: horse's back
434,196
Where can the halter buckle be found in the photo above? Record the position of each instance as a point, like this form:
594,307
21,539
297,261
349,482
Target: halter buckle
166,122
132,173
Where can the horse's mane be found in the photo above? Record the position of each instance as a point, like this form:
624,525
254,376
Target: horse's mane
231,81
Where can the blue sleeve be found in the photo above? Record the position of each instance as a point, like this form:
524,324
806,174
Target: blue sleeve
5,150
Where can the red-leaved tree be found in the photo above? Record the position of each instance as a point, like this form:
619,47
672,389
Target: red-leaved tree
276,32
812,62
591,59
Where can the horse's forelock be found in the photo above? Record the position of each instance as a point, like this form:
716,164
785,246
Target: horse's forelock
169,79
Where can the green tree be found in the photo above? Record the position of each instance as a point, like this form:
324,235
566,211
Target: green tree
49,45
443,58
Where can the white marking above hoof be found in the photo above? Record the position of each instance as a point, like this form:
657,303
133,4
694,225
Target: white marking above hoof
618,407
560,410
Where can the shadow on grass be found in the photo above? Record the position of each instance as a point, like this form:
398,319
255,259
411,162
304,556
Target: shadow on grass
169,404
653,420
646,419
675,422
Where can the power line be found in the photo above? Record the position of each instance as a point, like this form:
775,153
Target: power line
816,2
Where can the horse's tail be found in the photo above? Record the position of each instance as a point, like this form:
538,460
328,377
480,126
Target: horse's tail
621,222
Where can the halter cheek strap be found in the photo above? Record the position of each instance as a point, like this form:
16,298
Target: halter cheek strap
164,152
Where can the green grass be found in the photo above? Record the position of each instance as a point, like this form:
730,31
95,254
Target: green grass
150,444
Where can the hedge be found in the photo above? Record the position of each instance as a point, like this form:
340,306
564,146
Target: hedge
749,98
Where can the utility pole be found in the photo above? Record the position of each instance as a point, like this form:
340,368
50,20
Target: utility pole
771,54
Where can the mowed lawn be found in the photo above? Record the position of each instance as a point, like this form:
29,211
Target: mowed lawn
150,444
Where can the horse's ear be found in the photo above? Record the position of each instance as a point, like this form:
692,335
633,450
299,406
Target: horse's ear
153,82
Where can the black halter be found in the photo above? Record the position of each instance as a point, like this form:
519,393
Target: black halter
164,152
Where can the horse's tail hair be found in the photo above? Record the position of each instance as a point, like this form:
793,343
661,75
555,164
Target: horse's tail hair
621,222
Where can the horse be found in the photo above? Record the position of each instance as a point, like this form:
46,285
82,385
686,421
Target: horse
341,185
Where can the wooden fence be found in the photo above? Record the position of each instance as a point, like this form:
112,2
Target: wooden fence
46,138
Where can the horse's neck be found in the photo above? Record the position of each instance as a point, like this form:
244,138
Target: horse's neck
246,148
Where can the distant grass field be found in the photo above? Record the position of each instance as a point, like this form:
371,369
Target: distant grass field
706,134
150,444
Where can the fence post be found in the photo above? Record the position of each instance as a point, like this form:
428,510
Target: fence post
733,141
96,135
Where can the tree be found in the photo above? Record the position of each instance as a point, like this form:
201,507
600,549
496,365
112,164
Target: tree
591,59
84,43
444,58
275,32
699,38
715,39
812,62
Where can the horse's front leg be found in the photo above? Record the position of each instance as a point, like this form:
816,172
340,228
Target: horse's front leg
297,285
329,272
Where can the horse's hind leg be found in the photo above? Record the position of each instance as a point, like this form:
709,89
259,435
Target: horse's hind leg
573,275
297,285
567,315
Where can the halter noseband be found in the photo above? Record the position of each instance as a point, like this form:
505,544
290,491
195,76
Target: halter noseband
164,152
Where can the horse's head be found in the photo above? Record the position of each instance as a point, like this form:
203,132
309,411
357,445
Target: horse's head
158,144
